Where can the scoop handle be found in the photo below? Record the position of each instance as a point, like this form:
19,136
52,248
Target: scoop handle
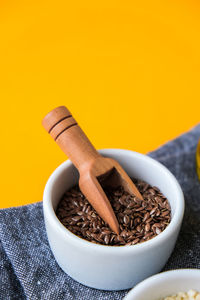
64,129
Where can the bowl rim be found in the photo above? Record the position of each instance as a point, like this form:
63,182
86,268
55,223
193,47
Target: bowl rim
147,283
138,248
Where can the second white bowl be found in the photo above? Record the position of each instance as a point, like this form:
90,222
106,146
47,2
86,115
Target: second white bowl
166,284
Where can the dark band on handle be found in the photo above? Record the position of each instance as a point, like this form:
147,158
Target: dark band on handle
59,122
65,130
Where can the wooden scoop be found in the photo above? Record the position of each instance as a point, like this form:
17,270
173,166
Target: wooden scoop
95,171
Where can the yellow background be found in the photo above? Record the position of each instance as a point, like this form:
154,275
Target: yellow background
128,70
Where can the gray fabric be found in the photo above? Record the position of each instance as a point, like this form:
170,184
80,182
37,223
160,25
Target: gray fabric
28,269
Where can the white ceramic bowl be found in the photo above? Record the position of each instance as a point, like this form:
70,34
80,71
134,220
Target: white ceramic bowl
108,267
166,284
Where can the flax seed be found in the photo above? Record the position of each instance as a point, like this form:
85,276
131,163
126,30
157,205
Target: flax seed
126,219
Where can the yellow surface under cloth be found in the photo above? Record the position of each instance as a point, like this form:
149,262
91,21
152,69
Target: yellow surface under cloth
128,70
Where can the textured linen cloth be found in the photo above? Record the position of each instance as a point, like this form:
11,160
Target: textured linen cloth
28,269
